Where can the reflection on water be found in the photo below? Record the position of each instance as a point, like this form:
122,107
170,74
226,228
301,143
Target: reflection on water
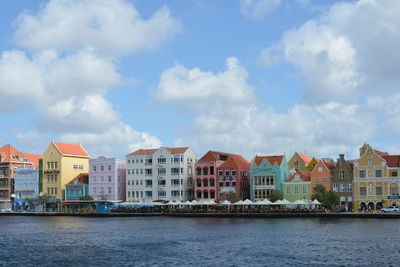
70,241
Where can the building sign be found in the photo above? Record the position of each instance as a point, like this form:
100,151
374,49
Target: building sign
51,172
393,197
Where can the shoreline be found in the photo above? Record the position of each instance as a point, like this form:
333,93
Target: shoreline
213,215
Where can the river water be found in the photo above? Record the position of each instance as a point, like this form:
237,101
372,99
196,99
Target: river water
164,241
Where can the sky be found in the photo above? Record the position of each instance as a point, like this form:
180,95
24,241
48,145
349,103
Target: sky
261,77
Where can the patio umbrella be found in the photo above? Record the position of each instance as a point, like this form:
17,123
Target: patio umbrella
299,202
240,202
248,202
316,202
278,202
225,202
266,202
285,202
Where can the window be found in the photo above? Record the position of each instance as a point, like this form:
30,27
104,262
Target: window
363,191
369,162
162,171
148,183
220,183
205,171
379,191
394,174
319,169
174,171
148,172
233,183
148,193
296,190
378,173
162,194
335,187
211,170
109,167
162,160
102,178
304,190
101,190
137,171
288,190
141,171
362,174
161,182
129,193
349,187
233,172
324,181
226,172
220,172
316,181
227,183
94,168
129,171
198,171
94,190
129,182
205,182
175,193
109,190
342,187
212,182
341,174
102,168
129,162
109,178
198,182
175,182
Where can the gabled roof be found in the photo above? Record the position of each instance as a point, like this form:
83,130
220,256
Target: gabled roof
33,158
235,161
329,166
304,175
174,150
214,156
392,161
271,159
71,149
83,178
380,153
304,157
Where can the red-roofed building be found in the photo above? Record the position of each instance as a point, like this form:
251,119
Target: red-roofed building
321,174
61,161
218,174
299,161
10,160
297,187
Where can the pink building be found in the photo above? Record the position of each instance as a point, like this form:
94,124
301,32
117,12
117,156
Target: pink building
107,178
219,173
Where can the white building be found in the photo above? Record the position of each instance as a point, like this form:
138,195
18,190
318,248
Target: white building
160,174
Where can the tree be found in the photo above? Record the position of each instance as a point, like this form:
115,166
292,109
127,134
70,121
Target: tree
87,197
328,198
232,196
276,195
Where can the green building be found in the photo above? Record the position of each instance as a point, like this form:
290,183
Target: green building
297,187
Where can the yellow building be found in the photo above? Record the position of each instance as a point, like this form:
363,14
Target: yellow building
298,162
310,166
376,179
62,162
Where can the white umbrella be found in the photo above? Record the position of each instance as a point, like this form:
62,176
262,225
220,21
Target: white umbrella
285,202
266,202
299,202
225,202
209,202
248,202
195,202
240,202
187,203
278,202
316,202
170,203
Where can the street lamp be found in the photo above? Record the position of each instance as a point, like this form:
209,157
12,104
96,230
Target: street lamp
12,201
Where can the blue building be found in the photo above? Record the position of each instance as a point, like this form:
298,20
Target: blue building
78,187
26,188
267,173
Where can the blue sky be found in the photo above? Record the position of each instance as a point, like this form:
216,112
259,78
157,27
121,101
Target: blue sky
246,76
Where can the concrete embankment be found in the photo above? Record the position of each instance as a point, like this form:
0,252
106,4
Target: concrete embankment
215,215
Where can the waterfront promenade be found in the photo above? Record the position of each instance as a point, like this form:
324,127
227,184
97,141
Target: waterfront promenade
214,215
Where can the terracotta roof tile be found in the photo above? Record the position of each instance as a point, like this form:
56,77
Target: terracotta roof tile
11,154
271,159
71,149
305,158
380,153
214,156
83,178
173,150
33,158
392,161
235,161
304,176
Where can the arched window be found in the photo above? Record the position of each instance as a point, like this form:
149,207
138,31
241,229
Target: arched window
394,189
212,194
205,182
205,170
205,194
198,194
212,183
198,181
198,171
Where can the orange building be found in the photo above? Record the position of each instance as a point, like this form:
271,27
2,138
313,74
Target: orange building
322,174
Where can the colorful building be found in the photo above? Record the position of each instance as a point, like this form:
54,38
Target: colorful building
107,179
310,166
233,177
160,174
299,162
297,187
342,181
78,187
376,179
10,160
321,174
62,161
26,188
267,173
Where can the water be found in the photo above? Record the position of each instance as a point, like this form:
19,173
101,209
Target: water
163,241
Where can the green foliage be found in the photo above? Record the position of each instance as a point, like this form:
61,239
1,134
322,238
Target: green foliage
328,198
232,196
276,195
87,197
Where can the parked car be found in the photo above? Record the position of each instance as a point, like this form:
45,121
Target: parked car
390,209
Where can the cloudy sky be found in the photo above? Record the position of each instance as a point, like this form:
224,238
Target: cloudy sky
242,76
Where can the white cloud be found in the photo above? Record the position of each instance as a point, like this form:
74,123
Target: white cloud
112,27
257,9
343,55
193,86
248,128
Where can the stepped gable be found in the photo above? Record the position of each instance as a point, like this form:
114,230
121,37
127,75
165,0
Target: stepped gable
392,160
83,178
71,149
271,159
